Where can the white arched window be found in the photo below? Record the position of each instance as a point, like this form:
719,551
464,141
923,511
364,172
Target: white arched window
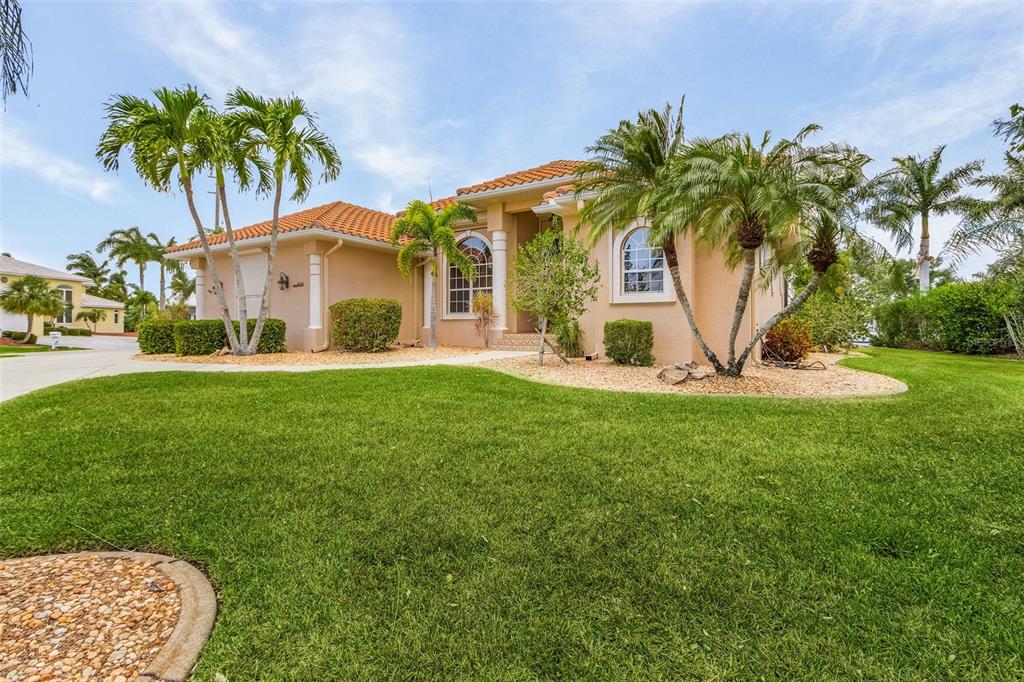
460,288
640,274
66,317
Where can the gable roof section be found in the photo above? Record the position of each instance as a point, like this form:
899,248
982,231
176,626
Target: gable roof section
547,171
337,216
13,266
90,301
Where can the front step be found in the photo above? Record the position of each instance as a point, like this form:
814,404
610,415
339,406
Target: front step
517,342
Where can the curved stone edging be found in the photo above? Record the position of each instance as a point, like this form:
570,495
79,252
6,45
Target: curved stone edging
178,656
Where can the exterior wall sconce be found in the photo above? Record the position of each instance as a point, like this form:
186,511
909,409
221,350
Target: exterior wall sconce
282,282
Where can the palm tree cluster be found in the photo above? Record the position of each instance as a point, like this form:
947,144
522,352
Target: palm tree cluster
261,143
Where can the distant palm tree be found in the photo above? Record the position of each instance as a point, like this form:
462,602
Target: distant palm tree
286,130
182,286
94,316
166,264
84,265
915,189
130,245
31,296
116,288
421,231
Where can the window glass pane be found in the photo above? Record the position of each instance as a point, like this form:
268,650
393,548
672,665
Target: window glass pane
460,289
642,264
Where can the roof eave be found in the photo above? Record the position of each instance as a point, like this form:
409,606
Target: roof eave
304,233
537,185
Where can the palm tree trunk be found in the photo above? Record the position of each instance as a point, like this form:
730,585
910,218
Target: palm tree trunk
142,276
254,342
797,301
163,286
923,262
436,290
243,309
28,331
742,300
225,314
672,257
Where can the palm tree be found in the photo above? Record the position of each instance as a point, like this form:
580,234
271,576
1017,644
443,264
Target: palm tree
271,126
84,265
915,189
160,136
15,50
626,175
166,264
130,244
421,231
182,286
116,288
31,296
94,316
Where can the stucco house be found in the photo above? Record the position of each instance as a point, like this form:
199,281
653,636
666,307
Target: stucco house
340,250
72,287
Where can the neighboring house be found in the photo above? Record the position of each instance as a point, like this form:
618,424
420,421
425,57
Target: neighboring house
341,250
72,287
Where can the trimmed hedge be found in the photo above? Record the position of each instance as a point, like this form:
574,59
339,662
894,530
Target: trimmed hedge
790,341
18,336
630,342
365,324
156,336
205,337
67,331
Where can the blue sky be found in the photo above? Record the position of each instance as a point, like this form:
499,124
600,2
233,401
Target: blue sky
457,93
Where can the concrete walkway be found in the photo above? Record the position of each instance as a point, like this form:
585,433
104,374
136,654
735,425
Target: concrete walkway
21,374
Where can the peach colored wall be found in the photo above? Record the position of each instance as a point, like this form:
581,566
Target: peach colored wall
368,273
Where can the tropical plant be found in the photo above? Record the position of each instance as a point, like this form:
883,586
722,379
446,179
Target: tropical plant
15,50
116,288
788,341
1012,129
92,316
130,245
553,280
286,130
31,296
422,232
182,286
138,306
163,262
569,338
915,189
482,307
84,265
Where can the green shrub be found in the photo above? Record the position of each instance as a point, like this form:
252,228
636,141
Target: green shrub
66,331
902,323
789,341
835,321
156,336
199,337
569,338
18,336
365,324
963,319
203,337
630,342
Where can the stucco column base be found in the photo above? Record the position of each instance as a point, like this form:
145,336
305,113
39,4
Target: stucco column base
312,338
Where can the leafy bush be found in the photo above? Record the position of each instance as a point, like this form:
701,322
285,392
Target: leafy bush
365,324
630,342
203,337
18,336
789,341
835,321
901,323
199,337
66,331
156,336
569,338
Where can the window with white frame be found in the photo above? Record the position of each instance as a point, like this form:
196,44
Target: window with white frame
643,265
460,288
66,317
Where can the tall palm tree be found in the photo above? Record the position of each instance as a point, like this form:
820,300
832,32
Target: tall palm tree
915,189
165,264
31,296
130,245
84,265
422,231
626,176
182,286
116,288
286,130
159,136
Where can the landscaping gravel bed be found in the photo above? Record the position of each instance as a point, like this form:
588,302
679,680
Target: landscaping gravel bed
757,379
82,617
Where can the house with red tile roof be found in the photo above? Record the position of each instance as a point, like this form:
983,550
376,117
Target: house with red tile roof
341,250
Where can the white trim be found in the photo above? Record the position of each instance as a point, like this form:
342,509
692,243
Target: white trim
200,293
499,272
305,233
443,272
618,296
315,321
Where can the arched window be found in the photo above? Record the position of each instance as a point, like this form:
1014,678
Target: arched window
66,317
460,289
643,265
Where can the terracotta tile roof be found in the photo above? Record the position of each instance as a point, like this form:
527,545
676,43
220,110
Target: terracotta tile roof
337,216
547,171
558,191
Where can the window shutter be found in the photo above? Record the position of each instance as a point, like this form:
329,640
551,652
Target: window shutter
254,272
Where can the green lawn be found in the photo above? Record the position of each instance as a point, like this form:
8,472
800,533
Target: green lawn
451,523
17,350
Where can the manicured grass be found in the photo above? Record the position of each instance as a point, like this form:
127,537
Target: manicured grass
16,350
443,523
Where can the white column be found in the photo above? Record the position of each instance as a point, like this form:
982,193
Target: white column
428,293
200,294
499,252
315,308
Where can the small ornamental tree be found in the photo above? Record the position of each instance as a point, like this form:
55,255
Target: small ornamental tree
32,296
91,316
552,279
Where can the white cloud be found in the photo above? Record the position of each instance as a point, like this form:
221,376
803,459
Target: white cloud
19,152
